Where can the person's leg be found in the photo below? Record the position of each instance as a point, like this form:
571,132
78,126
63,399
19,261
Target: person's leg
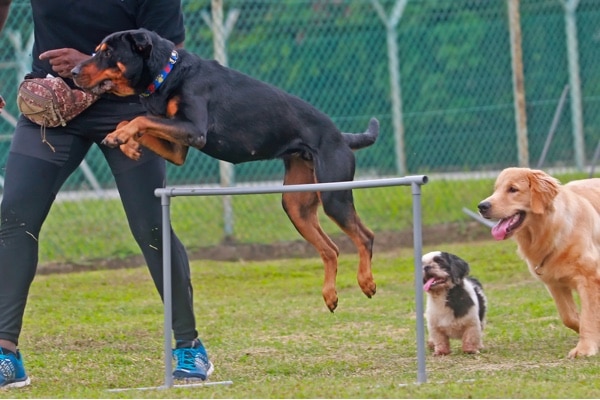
26,200
25,204
136,184
32,177
136,187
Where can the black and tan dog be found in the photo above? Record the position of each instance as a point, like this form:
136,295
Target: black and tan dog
192,102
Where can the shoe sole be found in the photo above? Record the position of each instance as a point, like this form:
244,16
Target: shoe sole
209,372
18,384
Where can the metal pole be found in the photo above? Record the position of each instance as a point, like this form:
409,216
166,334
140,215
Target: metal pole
420,309
414,181
595,160
555,120
91,178
226,170
391,25
514,19
575,82
396,98
167,295
308,187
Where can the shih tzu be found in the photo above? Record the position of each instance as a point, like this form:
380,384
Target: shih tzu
456,305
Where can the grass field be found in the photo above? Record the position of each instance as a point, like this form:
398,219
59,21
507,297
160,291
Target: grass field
268,330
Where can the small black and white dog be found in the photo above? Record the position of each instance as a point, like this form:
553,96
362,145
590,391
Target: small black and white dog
456,304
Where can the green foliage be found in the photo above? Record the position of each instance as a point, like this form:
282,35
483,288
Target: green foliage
267,330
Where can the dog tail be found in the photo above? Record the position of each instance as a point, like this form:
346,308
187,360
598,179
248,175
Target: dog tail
365,139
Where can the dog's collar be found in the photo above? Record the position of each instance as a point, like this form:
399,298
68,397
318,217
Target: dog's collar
160,78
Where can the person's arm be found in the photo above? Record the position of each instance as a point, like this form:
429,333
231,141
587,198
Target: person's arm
4,8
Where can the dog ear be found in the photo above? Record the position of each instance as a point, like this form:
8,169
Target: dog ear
142,43
544,189
459,268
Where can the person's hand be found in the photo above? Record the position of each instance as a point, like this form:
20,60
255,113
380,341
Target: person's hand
64,60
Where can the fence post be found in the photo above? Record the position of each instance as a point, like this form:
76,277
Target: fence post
393,65
575,82
514,20
220,34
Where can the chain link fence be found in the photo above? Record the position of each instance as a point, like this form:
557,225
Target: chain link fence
440,75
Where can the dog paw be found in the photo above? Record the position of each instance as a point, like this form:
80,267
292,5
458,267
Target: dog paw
583,350
472,343
441,352
122,124
332,305
111,141
123,133
132,150
368,287
331,299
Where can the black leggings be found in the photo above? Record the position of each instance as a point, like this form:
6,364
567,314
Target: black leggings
34,174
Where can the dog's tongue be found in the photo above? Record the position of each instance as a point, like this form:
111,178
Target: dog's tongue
500,230
428,284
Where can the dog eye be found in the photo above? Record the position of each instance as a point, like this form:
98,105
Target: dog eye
512,189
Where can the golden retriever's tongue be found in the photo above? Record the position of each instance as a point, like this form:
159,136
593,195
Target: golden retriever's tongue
428,284
500,230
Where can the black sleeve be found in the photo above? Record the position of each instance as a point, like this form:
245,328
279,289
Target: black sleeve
164,17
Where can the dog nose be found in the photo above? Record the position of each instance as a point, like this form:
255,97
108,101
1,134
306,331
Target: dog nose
426,268
484,207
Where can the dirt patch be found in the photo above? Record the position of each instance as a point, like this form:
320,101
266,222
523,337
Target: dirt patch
384,241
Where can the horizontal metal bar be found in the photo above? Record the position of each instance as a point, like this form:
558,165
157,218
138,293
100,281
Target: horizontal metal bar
185,385
312,187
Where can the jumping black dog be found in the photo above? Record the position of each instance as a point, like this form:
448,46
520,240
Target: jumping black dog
193,102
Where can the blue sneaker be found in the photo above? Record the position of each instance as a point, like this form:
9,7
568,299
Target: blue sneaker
192,361
12,370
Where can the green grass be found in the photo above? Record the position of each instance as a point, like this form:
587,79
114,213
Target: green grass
267,330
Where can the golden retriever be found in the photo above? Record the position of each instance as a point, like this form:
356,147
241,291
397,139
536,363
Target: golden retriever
557,230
